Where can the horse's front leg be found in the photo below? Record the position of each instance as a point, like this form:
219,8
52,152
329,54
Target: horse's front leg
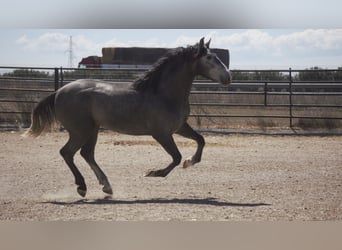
188,132
170,146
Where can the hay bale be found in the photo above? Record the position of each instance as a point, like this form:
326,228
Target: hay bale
108,55
132,55
145,56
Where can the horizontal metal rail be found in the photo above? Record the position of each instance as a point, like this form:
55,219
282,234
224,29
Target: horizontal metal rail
18,101
27,90
238,116
263,116
263,105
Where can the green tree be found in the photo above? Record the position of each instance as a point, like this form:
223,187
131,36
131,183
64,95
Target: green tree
27,73
319,74
259,76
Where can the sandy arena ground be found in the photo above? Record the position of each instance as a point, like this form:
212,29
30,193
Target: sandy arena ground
240,178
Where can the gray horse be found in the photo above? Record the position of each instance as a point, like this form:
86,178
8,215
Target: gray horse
156,104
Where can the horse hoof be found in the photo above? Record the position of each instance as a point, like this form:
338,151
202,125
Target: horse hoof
151,174
155,173
187,163
81,192
107,190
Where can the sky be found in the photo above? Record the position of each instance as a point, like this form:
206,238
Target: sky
260,34
249,48
170,13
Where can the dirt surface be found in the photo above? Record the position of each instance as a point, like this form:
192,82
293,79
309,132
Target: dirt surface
240,178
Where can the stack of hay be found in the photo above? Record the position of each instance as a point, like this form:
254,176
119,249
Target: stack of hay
132,56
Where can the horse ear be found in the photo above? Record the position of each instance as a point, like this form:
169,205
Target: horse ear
208,43
200,48
201,43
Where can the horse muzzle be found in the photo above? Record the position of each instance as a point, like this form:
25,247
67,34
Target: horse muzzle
226,79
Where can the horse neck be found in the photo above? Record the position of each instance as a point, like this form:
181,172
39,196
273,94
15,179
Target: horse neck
176,84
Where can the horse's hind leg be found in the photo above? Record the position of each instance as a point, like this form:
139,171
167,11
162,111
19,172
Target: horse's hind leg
87,152
188,132
68,151
169,145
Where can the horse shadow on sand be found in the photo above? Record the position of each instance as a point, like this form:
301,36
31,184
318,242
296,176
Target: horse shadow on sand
190,201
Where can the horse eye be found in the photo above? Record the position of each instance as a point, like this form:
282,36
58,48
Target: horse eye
209,57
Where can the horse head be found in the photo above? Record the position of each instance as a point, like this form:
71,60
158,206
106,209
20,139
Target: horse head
207,64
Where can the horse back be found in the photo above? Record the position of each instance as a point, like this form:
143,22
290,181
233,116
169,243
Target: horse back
115,106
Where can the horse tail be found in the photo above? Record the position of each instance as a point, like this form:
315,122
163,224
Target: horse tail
43,116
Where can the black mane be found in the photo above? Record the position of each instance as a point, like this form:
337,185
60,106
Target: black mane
151,79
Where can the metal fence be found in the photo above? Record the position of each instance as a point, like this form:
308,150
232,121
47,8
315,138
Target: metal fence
265,102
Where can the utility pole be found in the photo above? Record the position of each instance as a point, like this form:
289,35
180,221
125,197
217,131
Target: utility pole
71,54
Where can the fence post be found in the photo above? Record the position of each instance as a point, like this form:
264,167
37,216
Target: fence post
265,94
61,78
290,98
56,79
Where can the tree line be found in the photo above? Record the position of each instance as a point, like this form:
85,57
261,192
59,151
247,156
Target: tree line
311,74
